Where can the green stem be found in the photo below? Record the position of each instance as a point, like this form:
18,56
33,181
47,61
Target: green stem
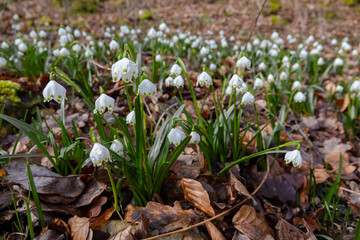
128,96
181,97
288,108
112,186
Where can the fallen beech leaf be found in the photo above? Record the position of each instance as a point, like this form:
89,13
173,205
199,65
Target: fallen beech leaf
95,207
129,210
100,220
333,158
79,228
196,195
330,88
240,188
239,236
287,231
124,234
310,222
195,218
46,182
252,224
321,175
214,233
2,173
158,215
343,103
142,228
50,234
252,147
60,226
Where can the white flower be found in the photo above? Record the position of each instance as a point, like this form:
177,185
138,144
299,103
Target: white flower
334,41
299,97
42,34
204,79
270,78
124,69
146,87
158,58
354,52
175,70
355,86
56,52
320,61
295,67
283,76
33,34
243,62
151,33
4,45
76,48
22,47
54,91
303,54
248,98
77,33
64,52
258,83
62,31
296,84
212,67
178,81
339,89
103,102
256,42
294,157
130,118
228,90
176,136
99,154
16,17
114,45
195,137
274,36
2,62
338,62
169,81
163,27
236,81
204,51
262,66
117,147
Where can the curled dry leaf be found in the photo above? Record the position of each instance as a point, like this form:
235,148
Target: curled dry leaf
100,220
124,234
214,233
333,158
239,187
252,224
79,227
196,195
343,103
321,174
287,231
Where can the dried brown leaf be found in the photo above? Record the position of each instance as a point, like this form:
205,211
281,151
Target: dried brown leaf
214,233
287,231
252,224
95,207
239,187
321,174
124,234
333,158
196,195
79,227
100,220
343,103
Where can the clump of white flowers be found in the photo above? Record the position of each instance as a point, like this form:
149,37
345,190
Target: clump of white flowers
248,98
243,62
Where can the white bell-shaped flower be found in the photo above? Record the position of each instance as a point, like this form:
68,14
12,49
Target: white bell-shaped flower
124,69
178,81
299,97
212,67
283,76
151,33
176,136
33,34
61,31
103,102
22,47
117,147
294,157
158,58
54,91
295,67
296,85
338,62
320,61
241,89
243,62
248,98
204,79
42,34
236,81
114,45
195,137
270,78
169,81
146,87
99,154
258,83
355,86
130,118
2,62
175,70
262,66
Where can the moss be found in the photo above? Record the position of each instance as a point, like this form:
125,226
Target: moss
349,3
275,5
357,10
329,14
45,21
278,20
85,6
145,15
8,92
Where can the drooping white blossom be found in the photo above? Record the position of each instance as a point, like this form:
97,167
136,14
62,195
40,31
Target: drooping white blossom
54,91
104,102
99,154
176,136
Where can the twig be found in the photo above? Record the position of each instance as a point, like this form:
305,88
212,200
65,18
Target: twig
216,216
100,66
